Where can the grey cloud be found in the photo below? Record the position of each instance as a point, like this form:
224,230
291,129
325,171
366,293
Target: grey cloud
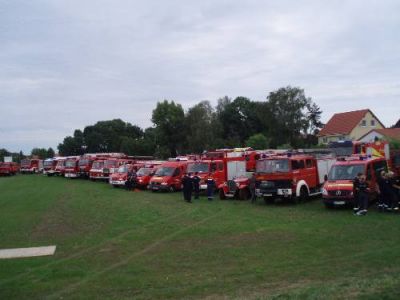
67,64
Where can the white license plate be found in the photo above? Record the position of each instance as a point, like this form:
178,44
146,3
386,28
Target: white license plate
339,202
267,195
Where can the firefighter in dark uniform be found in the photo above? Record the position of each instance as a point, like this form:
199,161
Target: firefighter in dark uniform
381,190
356,182
252,187
363,195
196,185
187,183
210,188
131,179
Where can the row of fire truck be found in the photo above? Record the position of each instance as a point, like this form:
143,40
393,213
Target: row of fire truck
279,174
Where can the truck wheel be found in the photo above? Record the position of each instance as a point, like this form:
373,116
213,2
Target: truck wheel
303,195
172,189
222,194
244,194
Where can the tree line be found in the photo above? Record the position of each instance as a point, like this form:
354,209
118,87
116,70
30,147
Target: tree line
287,118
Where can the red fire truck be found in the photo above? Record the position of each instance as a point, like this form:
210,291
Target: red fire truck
168,176
239,170
338,189
60,167
293,176
49,165
31,166
120,177
145,173
8,168
71,169
96,172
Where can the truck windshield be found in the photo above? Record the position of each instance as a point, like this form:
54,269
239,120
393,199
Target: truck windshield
110,163
272,166
345,172
123,169
98,165
165,171
61,163
70,163
144,171
83,162
201,167
25,162
47,163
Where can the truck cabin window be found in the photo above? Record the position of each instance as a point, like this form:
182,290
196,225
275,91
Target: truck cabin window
297,164
345,172
272,166
200,167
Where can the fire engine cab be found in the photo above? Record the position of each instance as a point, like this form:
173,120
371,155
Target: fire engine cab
338,189
292,176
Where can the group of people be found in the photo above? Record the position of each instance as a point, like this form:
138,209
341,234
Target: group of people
191,184
387,189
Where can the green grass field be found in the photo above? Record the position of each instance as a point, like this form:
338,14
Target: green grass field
114,244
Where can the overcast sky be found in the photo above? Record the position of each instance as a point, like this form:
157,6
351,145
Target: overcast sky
66,64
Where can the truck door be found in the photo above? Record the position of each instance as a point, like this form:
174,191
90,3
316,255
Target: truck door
176,178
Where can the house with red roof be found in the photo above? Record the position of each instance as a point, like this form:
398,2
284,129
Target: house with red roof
349,126
385,134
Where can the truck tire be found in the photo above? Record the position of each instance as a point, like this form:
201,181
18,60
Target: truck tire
303,195
221,194
244,194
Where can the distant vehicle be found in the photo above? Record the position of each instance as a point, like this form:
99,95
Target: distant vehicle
60,167
293,177
145,173
31,166
8,168
338,189
120,177
168,176
50,164
71,169
96,172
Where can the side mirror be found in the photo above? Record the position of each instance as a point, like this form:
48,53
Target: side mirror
326,177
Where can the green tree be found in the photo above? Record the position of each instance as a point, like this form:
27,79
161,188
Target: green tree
201,127
50,153
239,119
39,152
258,141
169,120
292,116
104,136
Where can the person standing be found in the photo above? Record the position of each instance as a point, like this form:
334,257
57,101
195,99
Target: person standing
187,183
363,195
356,182
196,185
392,189
381,191
210,188
252,187
131,179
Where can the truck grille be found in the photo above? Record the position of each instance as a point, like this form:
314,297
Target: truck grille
339,193
271,186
